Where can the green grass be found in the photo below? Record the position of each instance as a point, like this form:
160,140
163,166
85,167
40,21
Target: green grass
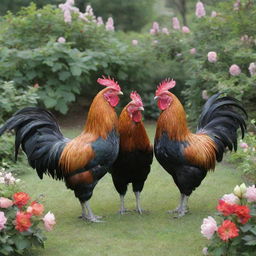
156,233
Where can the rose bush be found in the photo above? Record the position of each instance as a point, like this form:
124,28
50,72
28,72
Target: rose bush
20,218
236,233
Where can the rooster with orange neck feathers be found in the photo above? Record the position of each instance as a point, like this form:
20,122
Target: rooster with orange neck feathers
135,154
188,156
82,161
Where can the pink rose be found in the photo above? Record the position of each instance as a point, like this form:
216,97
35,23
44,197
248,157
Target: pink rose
175,23
234,70
61,40
212,57
208,227
244,145
205,251
192,51
230,198
5,202
200,11
110,24
185,29
135,42
250,194
3,220
49,221
165,31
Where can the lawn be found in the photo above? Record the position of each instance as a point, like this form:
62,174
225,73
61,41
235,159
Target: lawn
156,233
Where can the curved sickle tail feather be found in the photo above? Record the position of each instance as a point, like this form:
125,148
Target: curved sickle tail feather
220,119
40,138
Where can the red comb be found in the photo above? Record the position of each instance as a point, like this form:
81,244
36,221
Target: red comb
165,86
135,97
108,82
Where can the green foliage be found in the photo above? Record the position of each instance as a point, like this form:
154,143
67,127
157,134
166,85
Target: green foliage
230,36
244,158
12,99
128,15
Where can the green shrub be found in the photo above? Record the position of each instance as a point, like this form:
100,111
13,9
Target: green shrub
12,99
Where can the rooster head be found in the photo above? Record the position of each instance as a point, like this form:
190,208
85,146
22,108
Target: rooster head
163,95
112,91
135,106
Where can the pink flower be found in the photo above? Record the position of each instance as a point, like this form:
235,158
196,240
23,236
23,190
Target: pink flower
155,28
236,5
100,21
175,23
110,24
244,145
192,51
5,202
165,31
250,194
212,57
252,68
200,11
205,95
67,16
61,40
134,42
230,198
214,14
185,29
3,220
208,227
49,221
234,70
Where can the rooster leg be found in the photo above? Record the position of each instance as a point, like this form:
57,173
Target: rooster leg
122,208
90,216
138,207
177,209
84,215
183,209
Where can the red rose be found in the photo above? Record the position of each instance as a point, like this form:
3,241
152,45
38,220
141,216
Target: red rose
23,222
228,230
243,213
225,208
20,199
35,208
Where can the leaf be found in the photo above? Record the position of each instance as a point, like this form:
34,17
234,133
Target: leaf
75,70
22,243
245,228
64,75
56,67
50,102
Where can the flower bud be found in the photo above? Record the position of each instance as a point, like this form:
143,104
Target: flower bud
237,191
243,189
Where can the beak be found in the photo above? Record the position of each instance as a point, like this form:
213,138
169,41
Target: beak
156,97
120,93
141,108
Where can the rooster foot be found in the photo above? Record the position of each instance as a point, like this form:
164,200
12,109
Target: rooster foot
181,213
142,211
124,211
93,218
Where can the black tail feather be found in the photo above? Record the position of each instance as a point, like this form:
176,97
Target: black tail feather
38,133
220,119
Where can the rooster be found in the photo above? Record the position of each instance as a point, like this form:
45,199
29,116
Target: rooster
80,162
188,156
135,154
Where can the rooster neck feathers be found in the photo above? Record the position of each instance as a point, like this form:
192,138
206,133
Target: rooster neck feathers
101,118
132,135
173,121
